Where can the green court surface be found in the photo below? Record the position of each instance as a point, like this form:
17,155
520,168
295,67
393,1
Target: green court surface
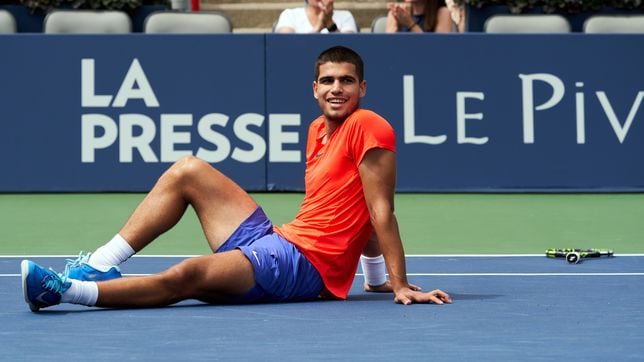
64,224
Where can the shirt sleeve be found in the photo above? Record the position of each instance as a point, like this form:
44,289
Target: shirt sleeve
370,131
344,20
285,20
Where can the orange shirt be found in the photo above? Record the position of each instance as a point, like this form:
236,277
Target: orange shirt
333,224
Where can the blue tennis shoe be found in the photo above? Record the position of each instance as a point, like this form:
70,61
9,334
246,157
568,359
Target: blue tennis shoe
79,269
41,287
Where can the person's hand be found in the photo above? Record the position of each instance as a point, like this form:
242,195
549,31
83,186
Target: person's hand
392,24
325,17
408,296
385,288
402,14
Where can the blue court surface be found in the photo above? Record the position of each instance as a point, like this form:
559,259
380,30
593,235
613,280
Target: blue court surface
506,308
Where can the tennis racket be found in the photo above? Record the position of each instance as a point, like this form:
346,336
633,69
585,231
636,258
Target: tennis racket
574,256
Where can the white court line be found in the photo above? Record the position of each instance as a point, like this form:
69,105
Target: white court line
76,255
470,274
488,255
521,274
407,255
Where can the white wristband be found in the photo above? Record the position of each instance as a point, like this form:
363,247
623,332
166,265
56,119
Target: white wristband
374,270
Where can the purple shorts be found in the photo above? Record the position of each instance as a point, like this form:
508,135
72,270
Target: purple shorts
282,273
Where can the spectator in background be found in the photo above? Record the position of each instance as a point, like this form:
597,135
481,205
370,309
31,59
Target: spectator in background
457,11
418,16
317,16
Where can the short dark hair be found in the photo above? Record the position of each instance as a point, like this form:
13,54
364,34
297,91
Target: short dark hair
340,54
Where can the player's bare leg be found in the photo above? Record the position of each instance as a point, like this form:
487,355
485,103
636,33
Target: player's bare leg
220,204
210,278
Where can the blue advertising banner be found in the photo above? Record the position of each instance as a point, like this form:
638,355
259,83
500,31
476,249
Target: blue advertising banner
110,113
490,113
472,112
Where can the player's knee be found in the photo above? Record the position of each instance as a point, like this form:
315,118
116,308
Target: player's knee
188,167
180,281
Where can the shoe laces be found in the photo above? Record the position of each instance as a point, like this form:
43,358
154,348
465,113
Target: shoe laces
54,282
74,263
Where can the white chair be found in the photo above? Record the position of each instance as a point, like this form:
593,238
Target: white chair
379,25
182,22
7,22
524,23
614,24
87,21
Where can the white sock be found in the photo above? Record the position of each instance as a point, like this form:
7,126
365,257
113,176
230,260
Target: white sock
374,269
81,292
115,252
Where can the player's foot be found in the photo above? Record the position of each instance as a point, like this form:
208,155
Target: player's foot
41,287
79,269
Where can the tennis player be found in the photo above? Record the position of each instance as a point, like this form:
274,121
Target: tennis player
349,198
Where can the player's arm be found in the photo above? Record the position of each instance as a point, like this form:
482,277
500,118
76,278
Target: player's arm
378,175
374,269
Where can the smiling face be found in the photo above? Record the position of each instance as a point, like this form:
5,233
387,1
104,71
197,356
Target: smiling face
338,90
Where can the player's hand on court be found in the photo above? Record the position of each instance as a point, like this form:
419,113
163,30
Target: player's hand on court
408,296
385,288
